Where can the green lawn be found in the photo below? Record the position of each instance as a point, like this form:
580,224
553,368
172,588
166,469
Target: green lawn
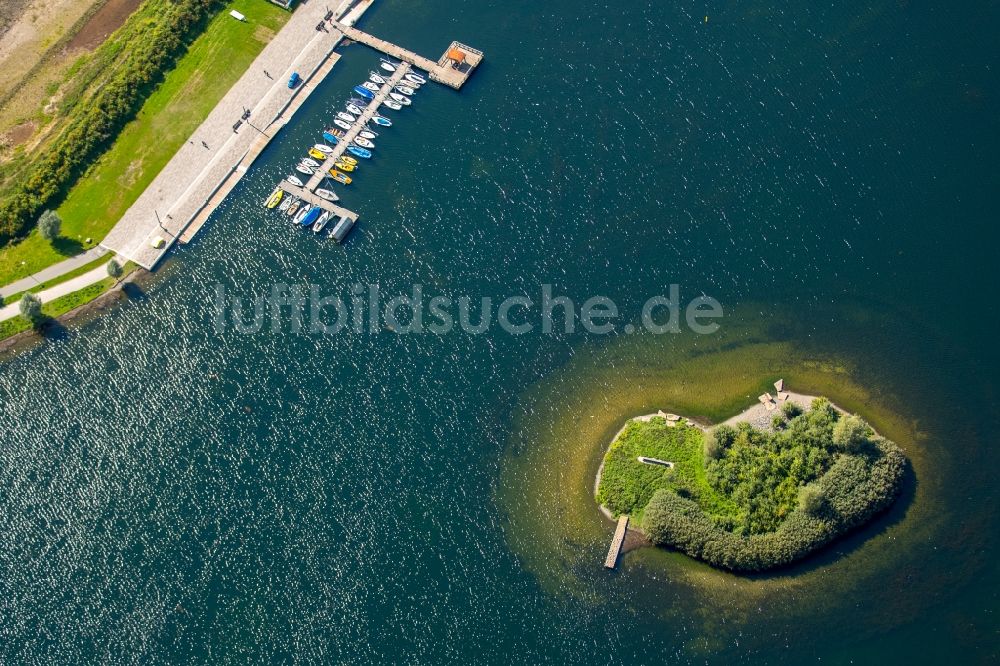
627,484
64,304
211,66
86,268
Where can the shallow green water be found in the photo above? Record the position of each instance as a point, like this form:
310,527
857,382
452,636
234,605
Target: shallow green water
175,493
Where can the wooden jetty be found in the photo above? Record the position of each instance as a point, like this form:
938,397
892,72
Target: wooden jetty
452,69
611,561
348,139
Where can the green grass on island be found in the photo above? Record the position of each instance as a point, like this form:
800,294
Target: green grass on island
213,62
747,499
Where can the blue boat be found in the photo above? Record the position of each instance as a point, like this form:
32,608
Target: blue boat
382,120
359,151
364,92
329,137
311,216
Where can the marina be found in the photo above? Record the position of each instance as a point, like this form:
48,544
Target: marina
181,199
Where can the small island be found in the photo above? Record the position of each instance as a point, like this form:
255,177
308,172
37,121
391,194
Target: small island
762,490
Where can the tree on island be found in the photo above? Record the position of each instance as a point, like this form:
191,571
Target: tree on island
115,269
49,225
851,433
31,309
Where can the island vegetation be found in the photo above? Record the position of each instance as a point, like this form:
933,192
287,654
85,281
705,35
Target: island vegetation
746,498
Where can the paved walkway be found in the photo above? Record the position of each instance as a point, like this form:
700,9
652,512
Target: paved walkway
191,178
61,289
53,271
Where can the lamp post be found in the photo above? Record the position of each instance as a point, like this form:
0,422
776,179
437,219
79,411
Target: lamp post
246,118
25,263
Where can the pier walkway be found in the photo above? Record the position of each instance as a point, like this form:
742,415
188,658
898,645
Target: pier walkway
611,561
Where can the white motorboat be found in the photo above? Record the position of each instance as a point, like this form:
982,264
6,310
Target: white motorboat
294,180
321,222
395,106
368,85
326,194
346,117
323,148
375,78
302,168
309,162
367,134
388,66
363,142
355,109
402,99
340,123
415,78
406,90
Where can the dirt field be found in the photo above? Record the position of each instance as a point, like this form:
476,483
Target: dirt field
39,41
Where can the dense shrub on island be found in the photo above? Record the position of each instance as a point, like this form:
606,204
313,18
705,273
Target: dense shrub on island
762,499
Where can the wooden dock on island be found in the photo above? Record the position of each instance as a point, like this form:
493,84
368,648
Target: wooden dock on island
611,561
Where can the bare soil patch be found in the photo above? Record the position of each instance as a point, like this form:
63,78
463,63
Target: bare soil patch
108,18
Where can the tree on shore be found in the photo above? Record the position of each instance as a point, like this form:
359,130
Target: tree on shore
31,309
49,225
115,269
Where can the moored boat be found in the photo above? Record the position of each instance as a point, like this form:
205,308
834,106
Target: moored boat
363,142
323,148
340,123
275,197
370,87
295,181
382,120
321,222
345,116
395,106
293,209
376,78
355,109
303,211
329,136
357,101
363,153
402,99
364,92
309,162
326,194
288,201
344,166
415,78
302,168
367,134
311,216
347,159
388,66
318,154
340,177
406,90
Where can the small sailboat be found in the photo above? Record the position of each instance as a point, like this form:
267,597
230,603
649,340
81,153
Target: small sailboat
357,101
370,87
415,78
367,134
303,211
323,148
363,142
355,109
326,194
311,216
321,222
347,159
275,197
329,136
340,123
293,209
382,120
402,99
375,78
288,201
344,166
302,168
364,92
406,90
345,116
295,181
395,106
317,154
309,162
340,177
363,153
388,66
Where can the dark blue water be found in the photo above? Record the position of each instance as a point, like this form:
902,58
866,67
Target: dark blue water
173,492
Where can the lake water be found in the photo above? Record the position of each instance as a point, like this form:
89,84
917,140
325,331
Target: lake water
173,491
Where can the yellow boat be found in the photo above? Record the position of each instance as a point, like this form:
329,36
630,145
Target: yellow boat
275,197
344,166
340,177
315,154
347,159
